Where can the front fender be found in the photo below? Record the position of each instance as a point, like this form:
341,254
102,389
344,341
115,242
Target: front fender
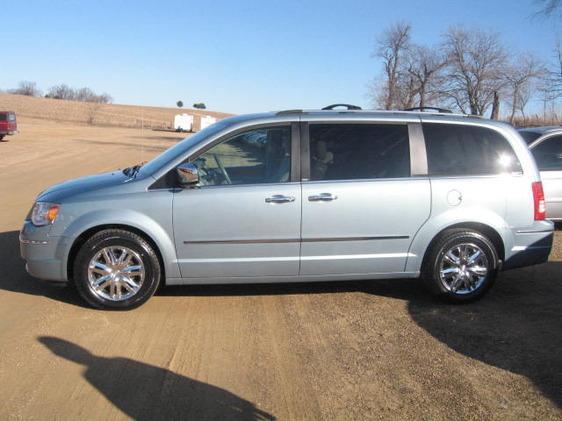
159,230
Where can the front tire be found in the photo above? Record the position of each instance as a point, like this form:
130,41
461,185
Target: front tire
461,265
116,270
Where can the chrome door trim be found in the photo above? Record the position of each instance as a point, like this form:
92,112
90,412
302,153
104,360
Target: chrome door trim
279,198
322,197
304,240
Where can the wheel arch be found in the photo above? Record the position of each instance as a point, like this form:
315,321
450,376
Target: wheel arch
88,233
493,227
483,229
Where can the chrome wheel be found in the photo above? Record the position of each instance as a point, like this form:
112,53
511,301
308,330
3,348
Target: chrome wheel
463,268
115,273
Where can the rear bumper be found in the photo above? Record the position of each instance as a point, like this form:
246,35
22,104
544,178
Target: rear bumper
530,248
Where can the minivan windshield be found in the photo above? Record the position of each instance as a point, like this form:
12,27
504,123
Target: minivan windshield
170,154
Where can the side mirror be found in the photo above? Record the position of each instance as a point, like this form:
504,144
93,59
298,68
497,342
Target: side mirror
188,174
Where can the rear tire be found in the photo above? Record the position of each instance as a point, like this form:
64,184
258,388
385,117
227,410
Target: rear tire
461,265
116,270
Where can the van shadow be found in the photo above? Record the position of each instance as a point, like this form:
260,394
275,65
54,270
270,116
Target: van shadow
516,327
14,278
146,392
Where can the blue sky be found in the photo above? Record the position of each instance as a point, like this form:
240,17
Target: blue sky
236,56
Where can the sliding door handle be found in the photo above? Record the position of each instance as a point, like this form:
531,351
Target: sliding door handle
279,198
322,197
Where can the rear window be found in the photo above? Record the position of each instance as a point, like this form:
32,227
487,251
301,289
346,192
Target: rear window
7,117
457,150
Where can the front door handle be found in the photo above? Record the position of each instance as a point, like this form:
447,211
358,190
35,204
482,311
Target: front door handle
322,197
279,198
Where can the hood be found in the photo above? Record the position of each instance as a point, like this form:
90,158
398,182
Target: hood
87,184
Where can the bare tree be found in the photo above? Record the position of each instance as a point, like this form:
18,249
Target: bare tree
549,7
520,76
65,92
476,63
61,91
26,88
425,65
556,73
525,96
391,47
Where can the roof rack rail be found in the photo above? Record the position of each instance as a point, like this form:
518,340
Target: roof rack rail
423,109
348,106
289,112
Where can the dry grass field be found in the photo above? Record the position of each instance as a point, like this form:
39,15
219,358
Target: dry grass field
98,114
359,350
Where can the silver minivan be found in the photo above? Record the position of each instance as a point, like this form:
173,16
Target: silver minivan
300,196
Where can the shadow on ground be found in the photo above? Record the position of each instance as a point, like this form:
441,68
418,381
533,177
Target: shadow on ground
516,327
14,278
146,392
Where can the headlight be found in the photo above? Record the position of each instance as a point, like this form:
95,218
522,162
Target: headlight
44,213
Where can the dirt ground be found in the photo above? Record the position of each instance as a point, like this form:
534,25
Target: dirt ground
361,350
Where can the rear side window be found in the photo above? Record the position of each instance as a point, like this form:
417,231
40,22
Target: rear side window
358,151
548,154
457,150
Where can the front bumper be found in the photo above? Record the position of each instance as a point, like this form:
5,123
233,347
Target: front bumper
43,254
531,247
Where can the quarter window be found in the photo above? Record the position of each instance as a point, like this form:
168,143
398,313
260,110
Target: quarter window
358,151
548,154
456,150
253,157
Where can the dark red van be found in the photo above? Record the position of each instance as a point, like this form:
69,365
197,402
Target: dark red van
8,124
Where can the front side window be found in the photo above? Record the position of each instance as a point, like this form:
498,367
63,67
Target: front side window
548,154
459,150
358,151
254,157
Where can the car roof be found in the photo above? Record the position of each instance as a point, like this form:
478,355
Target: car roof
305,115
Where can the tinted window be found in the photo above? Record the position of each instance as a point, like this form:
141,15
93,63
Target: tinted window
467,150
253,157
529,137
548,154
356,151
3,117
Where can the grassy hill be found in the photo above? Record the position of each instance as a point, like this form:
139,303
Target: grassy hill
98,114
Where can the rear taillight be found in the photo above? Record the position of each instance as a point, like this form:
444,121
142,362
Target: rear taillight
538,199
